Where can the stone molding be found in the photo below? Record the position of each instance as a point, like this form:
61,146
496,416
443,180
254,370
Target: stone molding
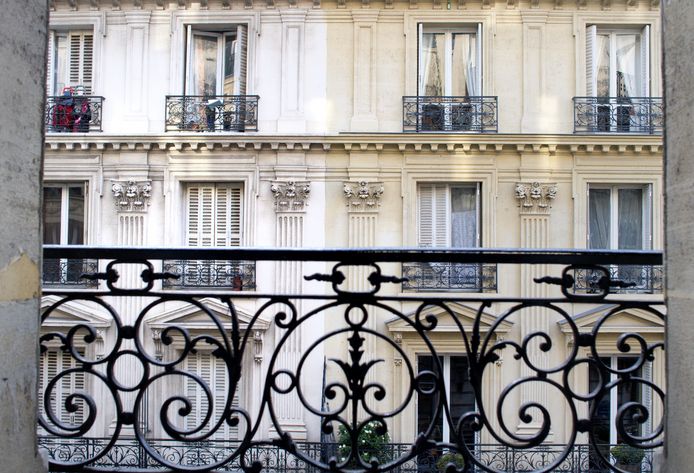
291,196
363,196
131,195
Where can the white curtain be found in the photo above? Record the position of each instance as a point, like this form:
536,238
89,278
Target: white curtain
464,217
431,64
630,210
626,65
599,218
602,65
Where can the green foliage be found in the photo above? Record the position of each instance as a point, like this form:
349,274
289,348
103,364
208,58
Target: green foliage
454,458
370,444
627,455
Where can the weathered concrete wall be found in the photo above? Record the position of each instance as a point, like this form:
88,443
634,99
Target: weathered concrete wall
22,78
679,70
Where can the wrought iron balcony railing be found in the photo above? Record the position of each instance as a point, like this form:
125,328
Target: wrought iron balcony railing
449,277
190,366
69,272
230,275
449,114
212,113
637,279
73,114
130,454
642,115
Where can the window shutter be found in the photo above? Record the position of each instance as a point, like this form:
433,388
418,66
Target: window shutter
50,66
241,58
591,60
646,61
81,59
433,215
479,89
647,395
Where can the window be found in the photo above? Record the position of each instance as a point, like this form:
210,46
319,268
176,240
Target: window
214,373
619,218
216,61
450,61
604,413
618,62
213,219
449,215
70,61
64,224
52,363
459,392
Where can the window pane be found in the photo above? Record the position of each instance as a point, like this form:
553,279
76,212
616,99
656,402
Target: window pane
464,67
603,65
599,218
601,416
229,57
75,228
52,197
464,217
461,394
428,403
626,65
431,75
628,392
204,63
630,215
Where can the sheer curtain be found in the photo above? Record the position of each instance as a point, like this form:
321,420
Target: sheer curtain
602,65
630,211
599,218
626,65
464,217
464,74
431,64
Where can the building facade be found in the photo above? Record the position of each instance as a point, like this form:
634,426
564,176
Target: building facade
318,124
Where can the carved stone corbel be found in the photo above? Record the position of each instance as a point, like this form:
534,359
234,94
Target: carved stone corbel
363,196
156,338
291,196
535,198
99,345
258,346
397,359
132,196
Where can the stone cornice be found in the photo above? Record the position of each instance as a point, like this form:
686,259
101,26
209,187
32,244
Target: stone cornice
355,142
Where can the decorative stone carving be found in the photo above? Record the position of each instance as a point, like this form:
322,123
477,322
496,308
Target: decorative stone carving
363,196
397,338
156,337
290,196
132,196
258,346
535,197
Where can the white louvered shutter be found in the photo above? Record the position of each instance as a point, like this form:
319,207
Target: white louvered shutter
214,215
645,61
433,215
50,66
81,60
591,61
479,89
54,362
241,59
647,395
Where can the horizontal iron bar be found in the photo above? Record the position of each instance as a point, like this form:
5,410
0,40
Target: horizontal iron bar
367,255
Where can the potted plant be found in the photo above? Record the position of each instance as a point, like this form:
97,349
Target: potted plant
450,458
627,458
371,444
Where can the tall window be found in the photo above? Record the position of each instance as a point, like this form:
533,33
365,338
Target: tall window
450,61
619,217
63,214
215,375
216,61
52,363
618,62
449,215
459,392
70,61
214,214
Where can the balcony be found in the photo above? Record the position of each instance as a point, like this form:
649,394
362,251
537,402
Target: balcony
189,378
639,115
449,277
230,275
234,113
449,114
73,114
65,273
634,279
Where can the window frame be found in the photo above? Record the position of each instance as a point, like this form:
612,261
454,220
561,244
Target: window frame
202,20
607,19
65,207
647,209
449,237
227,184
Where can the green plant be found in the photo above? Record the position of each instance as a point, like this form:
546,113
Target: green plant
627,455
447,458
370,443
